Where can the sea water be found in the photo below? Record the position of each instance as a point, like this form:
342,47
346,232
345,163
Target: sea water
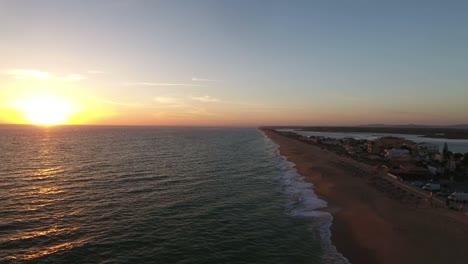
79,194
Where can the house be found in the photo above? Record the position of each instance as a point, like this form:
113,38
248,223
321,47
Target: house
329,141
312,139
409,171
370,147
432,170
379,145
397,154
451,165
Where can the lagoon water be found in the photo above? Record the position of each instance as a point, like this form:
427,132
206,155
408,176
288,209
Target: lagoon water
155,195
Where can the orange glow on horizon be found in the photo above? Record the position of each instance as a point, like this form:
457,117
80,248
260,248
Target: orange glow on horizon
51,108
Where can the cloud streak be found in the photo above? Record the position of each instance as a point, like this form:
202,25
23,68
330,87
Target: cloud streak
28,74
206,99
204,80
171,102
31,74
161,84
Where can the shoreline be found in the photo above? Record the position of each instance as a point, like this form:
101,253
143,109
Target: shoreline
368,226
325,209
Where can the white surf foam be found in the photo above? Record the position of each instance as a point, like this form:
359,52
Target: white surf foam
303,202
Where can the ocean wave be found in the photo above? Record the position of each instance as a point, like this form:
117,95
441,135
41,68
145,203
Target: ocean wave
303,202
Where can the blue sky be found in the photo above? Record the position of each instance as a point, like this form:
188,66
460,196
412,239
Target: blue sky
244,62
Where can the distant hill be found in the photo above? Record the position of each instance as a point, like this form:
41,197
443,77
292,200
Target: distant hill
460,126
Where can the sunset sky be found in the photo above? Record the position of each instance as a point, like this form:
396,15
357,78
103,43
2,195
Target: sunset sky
234,63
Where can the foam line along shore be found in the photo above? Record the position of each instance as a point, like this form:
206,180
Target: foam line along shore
303,202
361,211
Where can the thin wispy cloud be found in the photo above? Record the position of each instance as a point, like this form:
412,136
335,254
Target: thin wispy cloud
191,112
28,74
171,102
204,80
31,74
160,84
206,99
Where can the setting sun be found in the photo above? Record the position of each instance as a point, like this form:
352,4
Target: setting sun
46,110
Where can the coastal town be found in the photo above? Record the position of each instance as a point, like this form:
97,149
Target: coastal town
404,191
418,168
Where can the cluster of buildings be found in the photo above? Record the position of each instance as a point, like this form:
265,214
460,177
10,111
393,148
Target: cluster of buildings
402,156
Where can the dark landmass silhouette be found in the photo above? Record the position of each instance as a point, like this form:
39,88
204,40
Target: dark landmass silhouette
459,131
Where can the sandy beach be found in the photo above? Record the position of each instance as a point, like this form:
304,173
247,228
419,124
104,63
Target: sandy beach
374,222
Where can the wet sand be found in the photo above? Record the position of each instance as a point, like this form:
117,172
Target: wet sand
375,222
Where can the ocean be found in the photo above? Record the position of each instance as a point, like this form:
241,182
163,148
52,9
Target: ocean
91,194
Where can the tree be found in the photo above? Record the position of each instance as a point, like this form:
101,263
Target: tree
449,155
457,156
445,154
445,150
465,159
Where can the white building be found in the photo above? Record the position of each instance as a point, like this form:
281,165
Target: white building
397,154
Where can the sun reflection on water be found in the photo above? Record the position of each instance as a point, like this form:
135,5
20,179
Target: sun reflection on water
44,182
47,173
49,250
44,187
48,190
53,231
